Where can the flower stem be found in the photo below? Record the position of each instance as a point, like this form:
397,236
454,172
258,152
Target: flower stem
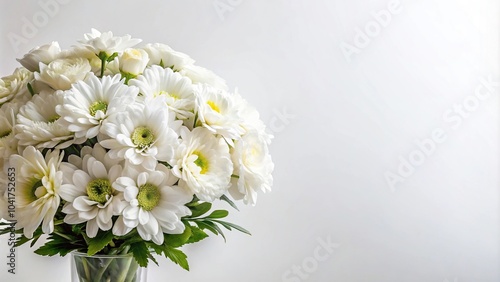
124,270
102,270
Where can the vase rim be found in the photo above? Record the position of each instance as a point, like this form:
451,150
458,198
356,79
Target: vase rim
81,254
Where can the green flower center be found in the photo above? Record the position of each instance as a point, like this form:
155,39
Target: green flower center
201,161
143,137
98,106
5,134
53,119
213,106
99,190
149,196
37,190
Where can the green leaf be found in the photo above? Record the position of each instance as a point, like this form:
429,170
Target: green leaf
229,226
177,240
200,209
207,225
77,229
140,251
231,203
30,89
55,245
22,240
49,249
177,256
100,241
112,57
196,235
218,214
36,236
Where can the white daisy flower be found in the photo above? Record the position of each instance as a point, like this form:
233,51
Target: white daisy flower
38,181
143,135
163,55
60,74
203,164
89,193
200,75
178,90
105,42
253,166
38,123
8,142
14,87
90,102
154,207
218,112
41,54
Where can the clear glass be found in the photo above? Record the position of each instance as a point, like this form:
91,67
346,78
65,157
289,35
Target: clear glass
106,268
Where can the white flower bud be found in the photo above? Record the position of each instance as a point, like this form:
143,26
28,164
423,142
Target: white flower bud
133,61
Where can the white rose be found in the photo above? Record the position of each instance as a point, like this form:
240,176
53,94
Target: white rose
133,61
14,87
202,75
61,73
161,54
42,54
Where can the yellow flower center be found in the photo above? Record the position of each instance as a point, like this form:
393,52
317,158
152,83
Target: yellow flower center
98,106
213,106
174,96
99,190
142,137
149,196
201,161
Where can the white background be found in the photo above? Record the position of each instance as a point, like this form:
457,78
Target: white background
355,118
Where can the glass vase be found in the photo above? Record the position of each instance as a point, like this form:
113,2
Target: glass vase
106,268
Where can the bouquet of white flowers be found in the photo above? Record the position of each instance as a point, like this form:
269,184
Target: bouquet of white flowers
111,148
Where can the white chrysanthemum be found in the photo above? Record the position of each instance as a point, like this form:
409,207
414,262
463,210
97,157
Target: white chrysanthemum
250,118
105,42
38,181
39,125
202,75
4,183
60,74
8,142
133,61
154,207
178,90
14,87
88,103
218,112
143,135
79,51
253,166
163,55
203,164
89,193
41,54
